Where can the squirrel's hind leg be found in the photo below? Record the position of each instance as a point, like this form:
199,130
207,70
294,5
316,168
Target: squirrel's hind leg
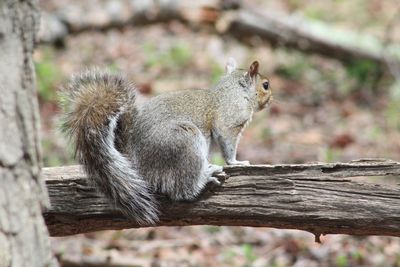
192,172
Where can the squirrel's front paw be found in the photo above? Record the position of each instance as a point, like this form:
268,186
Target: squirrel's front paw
238,162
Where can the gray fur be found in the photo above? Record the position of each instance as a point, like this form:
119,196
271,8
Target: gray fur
162,146
109,170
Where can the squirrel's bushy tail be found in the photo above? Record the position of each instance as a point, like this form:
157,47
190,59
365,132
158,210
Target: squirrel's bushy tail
93,103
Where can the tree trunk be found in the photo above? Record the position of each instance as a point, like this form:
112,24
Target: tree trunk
23,235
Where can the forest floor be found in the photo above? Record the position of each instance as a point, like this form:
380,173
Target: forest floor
323,111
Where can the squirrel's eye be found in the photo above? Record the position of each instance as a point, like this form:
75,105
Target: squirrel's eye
265,85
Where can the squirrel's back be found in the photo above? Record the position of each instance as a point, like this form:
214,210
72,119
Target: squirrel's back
194,105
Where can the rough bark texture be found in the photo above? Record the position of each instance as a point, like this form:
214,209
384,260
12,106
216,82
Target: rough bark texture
23,235
243,24
314,197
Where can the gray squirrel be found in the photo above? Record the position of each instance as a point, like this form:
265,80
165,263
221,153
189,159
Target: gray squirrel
130,152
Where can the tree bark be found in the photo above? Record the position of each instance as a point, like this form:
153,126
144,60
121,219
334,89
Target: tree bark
23,235
318,198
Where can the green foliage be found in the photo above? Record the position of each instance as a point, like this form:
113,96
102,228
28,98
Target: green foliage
375,133
314,13
229,256
49,159
266,133
341,261
357,255
48,75
392,112
362,70
54,155
362,75
246,252
347,78
217,159
330,154
176,56
180,54
212,229
295,68
113,68
249,255
216,72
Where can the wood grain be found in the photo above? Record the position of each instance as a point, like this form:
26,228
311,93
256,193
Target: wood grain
319,198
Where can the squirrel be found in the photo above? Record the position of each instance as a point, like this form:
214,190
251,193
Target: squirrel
130,152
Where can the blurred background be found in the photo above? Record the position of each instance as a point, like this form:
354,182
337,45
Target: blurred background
334,68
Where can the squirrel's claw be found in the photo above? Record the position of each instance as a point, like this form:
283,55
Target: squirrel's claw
214,180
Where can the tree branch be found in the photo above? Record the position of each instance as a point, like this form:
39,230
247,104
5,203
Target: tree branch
319,198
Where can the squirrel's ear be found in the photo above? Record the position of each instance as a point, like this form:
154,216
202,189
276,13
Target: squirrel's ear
230,65
253,70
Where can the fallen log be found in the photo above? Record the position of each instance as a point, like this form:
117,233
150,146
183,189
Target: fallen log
319,198
242,23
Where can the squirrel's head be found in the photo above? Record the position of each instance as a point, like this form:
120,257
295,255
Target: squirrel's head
255,86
